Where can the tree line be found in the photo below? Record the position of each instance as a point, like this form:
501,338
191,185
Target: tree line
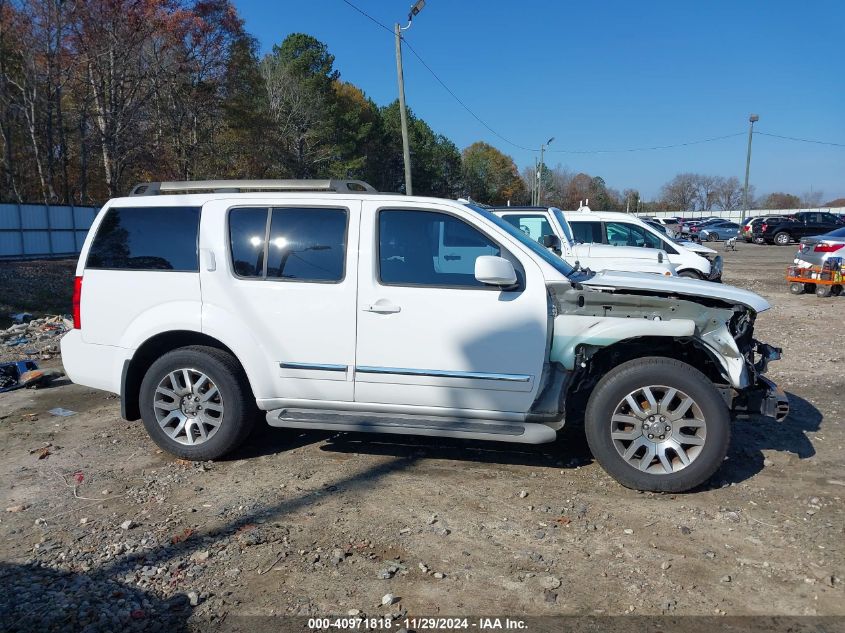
96,95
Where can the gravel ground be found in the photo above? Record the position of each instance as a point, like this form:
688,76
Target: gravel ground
100,531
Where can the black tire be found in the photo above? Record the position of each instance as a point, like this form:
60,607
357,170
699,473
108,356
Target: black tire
758,240
797,288
712,237
836,290
823,290
689,274
225,372
783,238
666,372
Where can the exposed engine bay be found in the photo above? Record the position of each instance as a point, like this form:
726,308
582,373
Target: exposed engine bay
712,334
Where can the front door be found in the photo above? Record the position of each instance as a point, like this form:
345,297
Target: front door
429,334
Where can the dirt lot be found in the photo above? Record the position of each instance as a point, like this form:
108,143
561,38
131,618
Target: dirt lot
108,530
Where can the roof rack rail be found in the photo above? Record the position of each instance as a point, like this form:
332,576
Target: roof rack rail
243,186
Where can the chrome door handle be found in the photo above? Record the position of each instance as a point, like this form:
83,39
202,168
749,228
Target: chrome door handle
382,307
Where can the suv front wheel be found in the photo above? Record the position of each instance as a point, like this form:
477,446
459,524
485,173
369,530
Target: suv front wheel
196,403
657,424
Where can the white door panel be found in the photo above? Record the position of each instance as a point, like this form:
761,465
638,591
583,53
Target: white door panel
451,347
300,317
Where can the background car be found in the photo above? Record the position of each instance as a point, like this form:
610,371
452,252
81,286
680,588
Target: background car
745,229
719,231
793,227
621,229
816,250
704,222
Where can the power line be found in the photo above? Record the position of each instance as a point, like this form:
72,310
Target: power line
801,140
570,151
440,81
463,105
644,149
369,17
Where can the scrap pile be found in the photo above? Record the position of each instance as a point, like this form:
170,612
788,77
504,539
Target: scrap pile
36,338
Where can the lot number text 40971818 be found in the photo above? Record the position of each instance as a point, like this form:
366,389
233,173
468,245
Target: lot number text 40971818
416,623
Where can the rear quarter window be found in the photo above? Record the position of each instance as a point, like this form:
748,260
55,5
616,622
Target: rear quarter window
147,238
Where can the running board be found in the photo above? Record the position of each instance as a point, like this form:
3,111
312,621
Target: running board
518,432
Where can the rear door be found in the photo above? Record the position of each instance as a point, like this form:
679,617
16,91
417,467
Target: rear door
278,288
434,338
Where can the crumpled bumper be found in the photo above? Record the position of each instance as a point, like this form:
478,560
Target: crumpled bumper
764,397
717,265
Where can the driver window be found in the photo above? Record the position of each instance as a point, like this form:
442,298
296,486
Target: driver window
619,234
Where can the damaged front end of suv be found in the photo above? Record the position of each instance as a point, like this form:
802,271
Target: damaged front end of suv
609,318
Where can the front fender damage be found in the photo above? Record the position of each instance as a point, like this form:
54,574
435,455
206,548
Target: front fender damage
587,320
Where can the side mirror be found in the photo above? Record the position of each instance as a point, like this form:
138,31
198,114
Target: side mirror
494,271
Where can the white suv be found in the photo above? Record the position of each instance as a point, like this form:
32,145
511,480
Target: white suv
327,306
621,229
549,227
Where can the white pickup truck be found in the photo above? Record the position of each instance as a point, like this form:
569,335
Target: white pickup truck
325,305
549,227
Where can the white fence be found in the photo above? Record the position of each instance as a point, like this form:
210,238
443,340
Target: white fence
29,231
736,215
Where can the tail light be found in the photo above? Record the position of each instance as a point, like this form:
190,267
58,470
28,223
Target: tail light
763,227
77,302
827,248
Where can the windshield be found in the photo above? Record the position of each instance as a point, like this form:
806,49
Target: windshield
567,230
545,254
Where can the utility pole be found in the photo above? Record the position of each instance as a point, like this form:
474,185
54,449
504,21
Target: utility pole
403,112
751,120
540,172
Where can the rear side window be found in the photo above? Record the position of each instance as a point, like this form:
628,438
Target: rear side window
307,244
147,238
299,244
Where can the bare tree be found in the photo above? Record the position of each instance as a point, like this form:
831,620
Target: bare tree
118,43
298,111
706,190
728,194
680,193
812,199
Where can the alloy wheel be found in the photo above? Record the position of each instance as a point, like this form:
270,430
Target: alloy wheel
658,429
188,406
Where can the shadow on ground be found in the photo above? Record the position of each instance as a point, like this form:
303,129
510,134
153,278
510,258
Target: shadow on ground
756,434
569,451
40,599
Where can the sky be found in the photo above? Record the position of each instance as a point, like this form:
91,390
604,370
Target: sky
606,75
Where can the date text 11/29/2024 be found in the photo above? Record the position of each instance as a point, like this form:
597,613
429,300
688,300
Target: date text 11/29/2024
416,624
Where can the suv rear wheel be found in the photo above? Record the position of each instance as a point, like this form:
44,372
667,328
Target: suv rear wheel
196,403
782,239
657,424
